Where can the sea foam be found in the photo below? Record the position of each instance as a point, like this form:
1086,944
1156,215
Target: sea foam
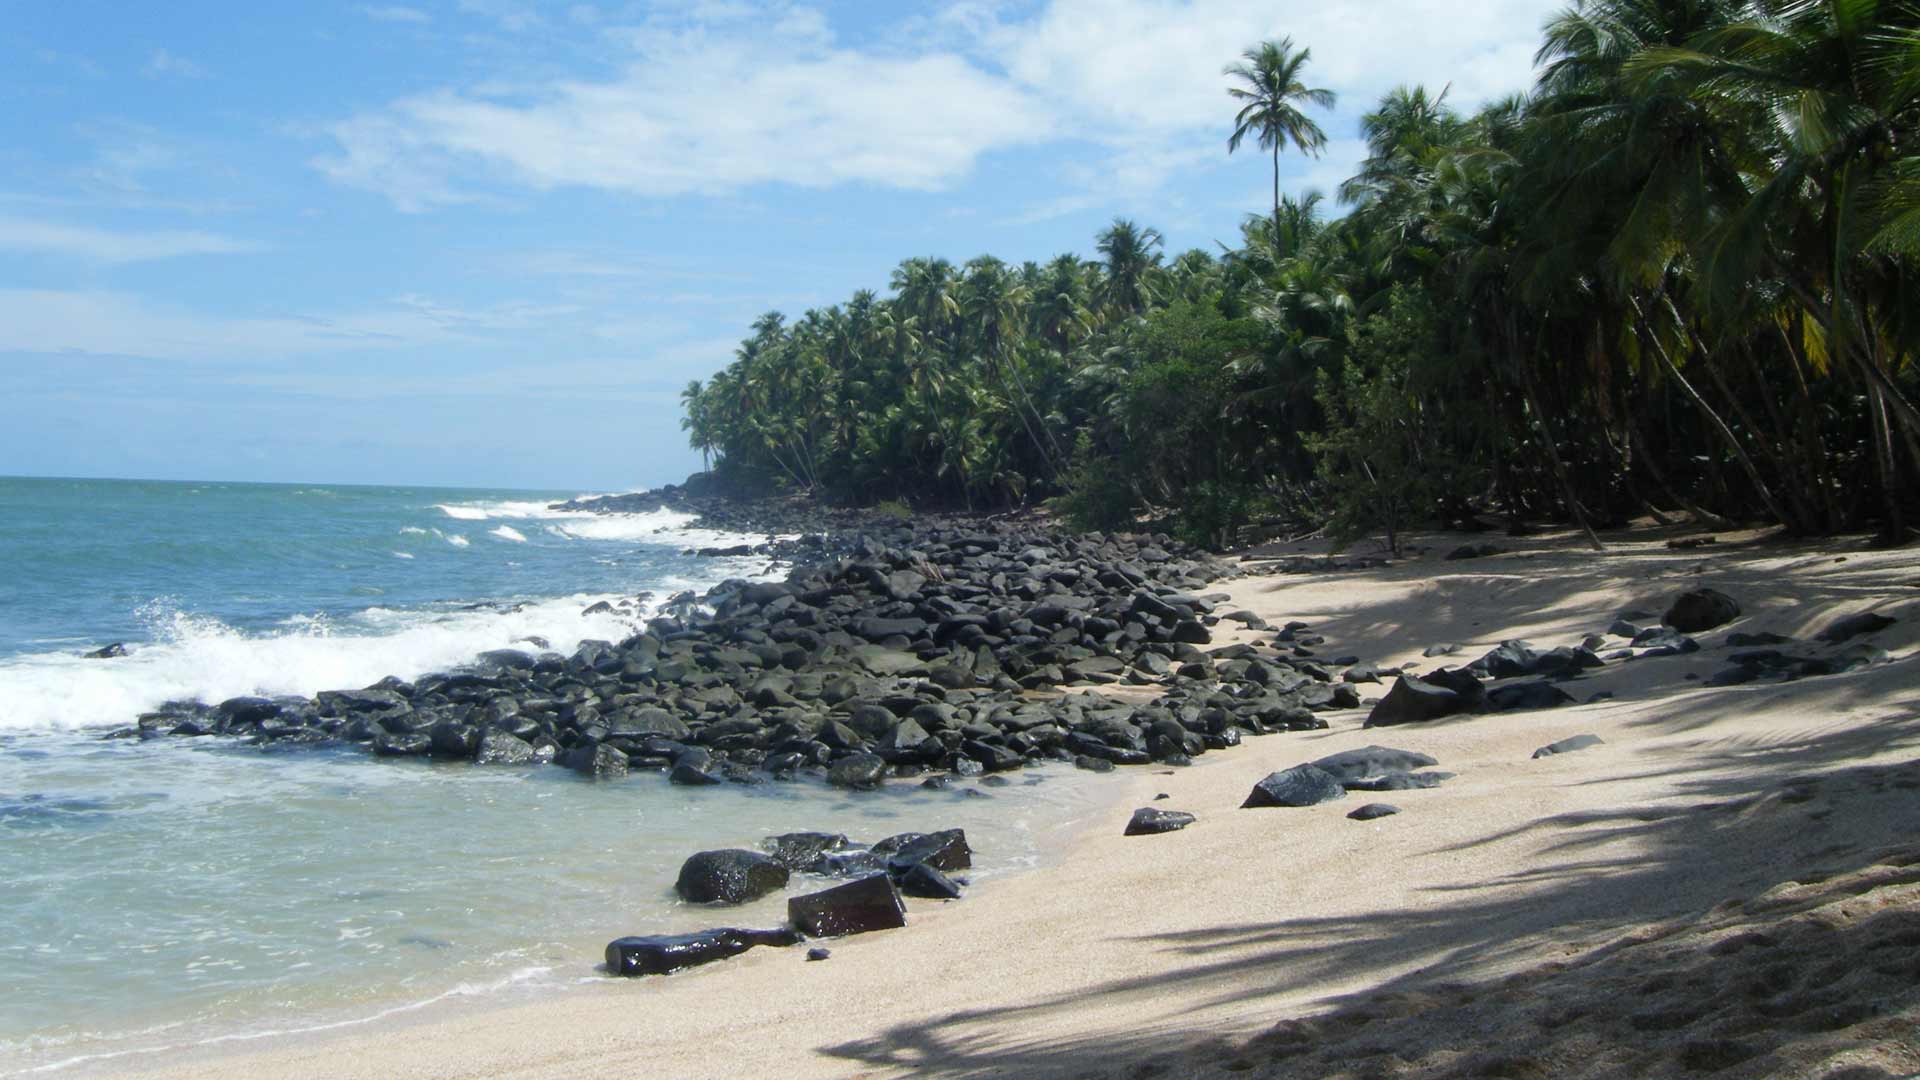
197,657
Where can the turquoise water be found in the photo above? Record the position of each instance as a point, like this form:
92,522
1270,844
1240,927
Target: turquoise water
177,891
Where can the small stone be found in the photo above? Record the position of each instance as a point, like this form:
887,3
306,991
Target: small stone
1567,746
819,954
1147,821
1374,810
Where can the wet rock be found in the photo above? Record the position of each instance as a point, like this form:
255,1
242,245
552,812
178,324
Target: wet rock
943,850
858,771
926,883
730,876
500,748
858,907
1568,746
688,774
110,652
816,955
1302,785
1148,821
389,744
658,954
1373,811
1701,609
600,761
801,850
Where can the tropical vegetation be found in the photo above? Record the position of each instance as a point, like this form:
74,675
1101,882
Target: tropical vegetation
1677,278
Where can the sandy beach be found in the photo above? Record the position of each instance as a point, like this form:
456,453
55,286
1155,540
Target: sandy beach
1728,885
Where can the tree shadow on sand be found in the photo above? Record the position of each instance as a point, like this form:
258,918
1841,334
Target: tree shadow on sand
1605,988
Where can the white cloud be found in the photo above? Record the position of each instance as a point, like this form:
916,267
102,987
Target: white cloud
395,14
163,64
729,95
26,236
697,112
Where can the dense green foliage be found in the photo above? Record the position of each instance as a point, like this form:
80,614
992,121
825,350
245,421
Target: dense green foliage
1679,276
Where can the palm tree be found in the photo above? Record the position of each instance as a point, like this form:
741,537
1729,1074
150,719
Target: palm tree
1272,95
1132,256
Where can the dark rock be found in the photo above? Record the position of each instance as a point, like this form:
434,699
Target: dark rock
500,748
110,652
1092,764
1701,609
1567,746
1528,695
1400,781
731,876
1148,821
1739,640
388,744
658,954
801,850
871,903
943,850
688,774
819,954
858,771
926,883
1475,551
1853,626
602,762
1302,785
1414,700
1374,810
1350,766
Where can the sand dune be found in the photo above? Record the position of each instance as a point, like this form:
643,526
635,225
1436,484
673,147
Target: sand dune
1728,885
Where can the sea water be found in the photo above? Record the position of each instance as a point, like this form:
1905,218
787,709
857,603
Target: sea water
179,891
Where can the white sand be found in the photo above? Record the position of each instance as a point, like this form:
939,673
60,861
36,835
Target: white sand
1559,917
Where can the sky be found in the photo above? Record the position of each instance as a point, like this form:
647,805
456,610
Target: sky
486,242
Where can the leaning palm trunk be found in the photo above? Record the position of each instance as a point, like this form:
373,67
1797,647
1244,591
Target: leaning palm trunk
1713,418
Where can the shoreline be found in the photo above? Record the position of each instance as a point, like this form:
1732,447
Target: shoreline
1132,940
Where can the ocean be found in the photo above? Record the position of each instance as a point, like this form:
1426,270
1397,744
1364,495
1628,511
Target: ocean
183,891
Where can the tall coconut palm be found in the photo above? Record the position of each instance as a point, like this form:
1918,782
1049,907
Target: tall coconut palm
1132,253
1271,93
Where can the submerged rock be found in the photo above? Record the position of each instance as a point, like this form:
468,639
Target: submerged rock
657,954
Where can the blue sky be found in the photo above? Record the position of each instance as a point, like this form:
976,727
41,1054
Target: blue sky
486,242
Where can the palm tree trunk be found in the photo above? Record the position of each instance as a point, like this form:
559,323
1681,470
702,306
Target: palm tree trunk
1276,191
1726,433
1546,432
